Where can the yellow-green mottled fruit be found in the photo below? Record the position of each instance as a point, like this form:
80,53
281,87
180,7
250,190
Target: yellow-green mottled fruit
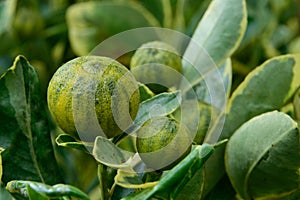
203,117
154,59
162,142
93,87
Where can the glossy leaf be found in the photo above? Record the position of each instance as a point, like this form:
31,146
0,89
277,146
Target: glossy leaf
65,140
159,105
7,10
43,190
89,23
263,157
212,43
213,38
24,128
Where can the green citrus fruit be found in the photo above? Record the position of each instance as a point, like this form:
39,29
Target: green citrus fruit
93,86
200,119
162,142
158,61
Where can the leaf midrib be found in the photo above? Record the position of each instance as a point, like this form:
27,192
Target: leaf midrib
261,155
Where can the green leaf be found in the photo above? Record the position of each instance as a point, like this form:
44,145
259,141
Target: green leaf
222,191
194,188
161,10
34,195
145,92
204,85
215,34
109,154
24,128
212,43
263,157
89,23
4,194
159,105
43,190
175,179
65,140
296,104
277,78
130,179
7,10
1,170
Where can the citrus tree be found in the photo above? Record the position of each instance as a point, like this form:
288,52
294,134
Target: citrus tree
149,100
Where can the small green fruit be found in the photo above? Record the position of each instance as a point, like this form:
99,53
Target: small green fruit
93,86
205,116
162,142
158,61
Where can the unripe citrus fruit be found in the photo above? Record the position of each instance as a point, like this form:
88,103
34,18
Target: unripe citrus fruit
93,86
162,142
159,61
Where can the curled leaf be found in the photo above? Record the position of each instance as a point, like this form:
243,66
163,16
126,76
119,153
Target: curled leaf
130,179
109,154
65,140
27,188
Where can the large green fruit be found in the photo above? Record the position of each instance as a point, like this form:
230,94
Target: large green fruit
162,142
93,86
159,62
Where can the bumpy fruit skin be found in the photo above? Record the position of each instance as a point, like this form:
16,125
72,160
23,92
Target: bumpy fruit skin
93,84
154,57
162,142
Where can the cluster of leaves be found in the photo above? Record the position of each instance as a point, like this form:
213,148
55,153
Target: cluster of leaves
262,157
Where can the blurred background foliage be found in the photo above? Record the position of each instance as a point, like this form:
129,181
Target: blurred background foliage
51,32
